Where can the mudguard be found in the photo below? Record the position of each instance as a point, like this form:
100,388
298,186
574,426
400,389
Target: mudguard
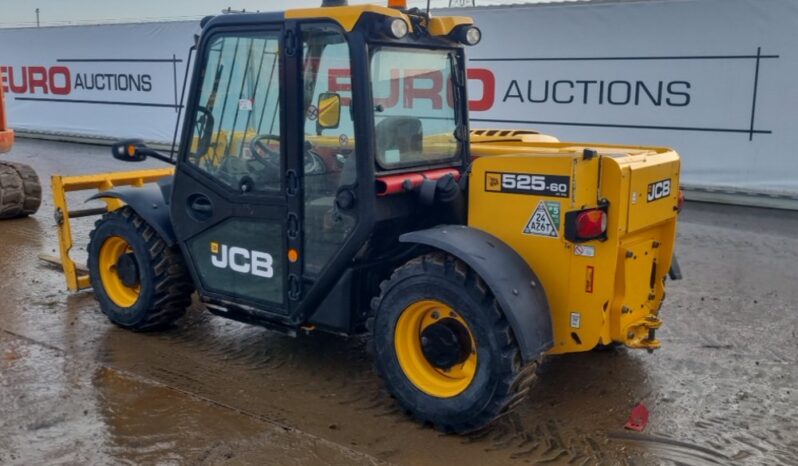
147,201
516,287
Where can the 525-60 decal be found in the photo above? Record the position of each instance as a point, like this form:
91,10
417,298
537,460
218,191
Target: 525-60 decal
528,183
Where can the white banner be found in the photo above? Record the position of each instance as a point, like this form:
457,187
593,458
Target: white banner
714,79
114,81
711,78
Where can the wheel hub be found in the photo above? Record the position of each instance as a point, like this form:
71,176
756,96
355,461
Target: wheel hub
128,269
446,343
435,348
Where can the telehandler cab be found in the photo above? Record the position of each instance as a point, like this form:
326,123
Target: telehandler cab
326,179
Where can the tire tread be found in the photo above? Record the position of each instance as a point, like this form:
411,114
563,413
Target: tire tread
12,193
172,285
515,383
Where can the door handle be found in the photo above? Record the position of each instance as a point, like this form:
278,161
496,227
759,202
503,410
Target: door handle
200,207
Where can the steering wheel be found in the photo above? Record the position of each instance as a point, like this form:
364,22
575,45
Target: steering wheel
263,153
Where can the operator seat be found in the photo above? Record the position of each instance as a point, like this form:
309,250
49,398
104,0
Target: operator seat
398,133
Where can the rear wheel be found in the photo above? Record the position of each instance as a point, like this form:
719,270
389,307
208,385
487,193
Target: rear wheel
444,347
31,188
20,190
12,192
140,282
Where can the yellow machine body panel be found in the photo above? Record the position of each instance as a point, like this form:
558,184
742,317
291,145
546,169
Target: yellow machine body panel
443,25
346,16
599,291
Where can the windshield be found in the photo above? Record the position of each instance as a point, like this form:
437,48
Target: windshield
414,107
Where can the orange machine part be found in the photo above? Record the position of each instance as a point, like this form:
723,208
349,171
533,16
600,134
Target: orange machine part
6,135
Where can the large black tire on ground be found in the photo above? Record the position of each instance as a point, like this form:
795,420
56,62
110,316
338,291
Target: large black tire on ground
164,284
31,187
20,190
12,194
501,379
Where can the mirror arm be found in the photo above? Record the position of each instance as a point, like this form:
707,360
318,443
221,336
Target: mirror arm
156,155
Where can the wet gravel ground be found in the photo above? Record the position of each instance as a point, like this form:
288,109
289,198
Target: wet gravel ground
74,389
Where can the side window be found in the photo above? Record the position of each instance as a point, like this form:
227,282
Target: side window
329,158
236,130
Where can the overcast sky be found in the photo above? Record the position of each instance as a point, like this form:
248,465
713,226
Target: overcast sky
21,13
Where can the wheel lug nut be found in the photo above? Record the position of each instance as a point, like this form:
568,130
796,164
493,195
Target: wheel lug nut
435,315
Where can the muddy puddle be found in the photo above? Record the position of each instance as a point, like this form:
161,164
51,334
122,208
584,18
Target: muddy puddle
74,389
60,410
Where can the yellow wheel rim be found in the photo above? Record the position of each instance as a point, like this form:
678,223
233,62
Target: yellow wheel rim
434,381
110,252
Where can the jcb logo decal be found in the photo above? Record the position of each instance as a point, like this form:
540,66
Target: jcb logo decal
659,189
257,263
493,182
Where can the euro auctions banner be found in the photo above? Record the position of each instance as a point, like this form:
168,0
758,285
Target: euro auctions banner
714,79
110,81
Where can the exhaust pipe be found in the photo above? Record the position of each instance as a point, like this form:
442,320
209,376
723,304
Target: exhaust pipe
325,3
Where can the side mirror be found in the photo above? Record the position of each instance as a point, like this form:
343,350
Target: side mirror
329,108
129,150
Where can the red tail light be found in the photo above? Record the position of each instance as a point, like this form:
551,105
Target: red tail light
591,223
680,202
585,225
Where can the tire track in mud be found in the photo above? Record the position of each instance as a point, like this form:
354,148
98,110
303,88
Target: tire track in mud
673,450
542,443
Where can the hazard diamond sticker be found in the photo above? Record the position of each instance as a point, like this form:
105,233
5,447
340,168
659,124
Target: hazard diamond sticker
545,220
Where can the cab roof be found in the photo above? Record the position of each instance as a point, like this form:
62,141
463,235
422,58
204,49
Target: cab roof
346,16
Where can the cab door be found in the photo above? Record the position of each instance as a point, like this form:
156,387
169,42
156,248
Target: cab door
231,201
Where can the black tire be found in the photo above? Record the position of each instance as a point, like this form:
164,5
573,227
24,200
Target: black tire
31,188
11,192
165,287
501,380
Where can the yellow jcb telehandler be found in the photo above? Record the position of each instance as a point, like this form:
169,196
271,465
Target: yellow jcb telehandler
327,180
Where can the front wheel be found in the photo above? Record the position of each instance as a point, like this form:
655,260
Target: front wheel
140,282
444,347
